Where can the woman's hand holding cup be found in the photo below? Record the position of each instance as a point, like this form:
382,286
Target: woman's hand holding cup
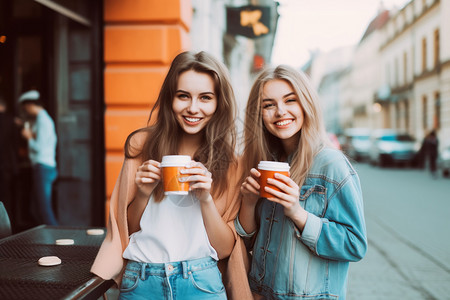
181,175
277,186
286,193
200,180
250,187
147,177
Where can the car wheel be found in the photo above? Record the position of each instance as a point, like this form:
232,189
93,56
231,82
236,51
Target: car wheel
381,161
445,172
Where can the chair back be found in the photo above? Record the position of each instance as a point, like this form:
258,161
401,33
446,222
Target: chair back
5,224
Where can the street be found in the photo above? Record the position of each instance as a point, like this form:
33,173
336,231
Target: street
407,217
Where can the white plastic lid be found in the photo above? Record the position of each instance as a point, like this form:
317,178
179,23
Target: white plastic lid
273,166
49,261
175,160
95,231
64,242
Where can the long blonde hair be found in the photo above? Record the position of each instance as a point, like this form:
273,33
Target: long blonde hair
259,144
217,151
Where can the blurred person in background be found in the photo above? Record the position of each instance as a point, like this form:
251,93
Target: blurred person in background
430,148
39,131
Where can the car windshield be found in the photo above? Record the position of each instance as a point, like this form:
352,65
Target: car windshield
397,137
361,137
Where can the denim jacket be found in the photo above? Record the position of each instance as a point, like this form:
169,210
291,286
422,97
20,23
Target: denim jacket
312,264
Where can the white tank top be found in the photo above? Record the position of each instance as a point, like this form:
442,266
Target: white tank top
171,230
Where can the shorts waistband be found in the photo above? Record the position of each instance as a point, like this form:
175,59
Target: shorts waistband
171,268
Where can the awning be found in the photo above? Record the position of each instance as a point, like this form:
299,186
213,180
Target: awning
65,11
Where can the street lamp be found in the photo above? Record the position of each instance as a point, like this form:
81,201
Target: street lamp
377,107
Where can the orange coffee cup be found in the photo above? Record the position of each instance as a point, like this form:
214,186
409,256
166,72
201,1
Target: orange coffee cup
268,170
171,166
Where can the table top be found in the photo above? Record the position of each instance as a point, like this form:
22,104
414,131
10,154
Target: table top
21,277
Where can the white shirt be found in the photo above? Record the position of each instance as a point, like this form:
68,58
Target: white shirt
42,149
171,230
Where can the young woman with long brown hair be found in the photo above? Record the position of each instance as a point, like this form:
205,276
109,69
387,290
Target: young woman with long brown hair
163,246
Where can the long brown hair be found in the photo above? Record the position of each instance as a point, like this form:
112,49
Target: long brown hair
259,144
217,151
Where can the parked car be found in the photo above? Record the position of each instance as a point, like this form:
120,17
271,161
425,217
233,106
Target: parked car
389,146
334,140
357,143
444,161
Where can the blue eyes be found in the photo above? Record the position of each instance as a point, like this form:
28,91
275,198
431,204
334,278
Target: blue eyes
269,104
186,96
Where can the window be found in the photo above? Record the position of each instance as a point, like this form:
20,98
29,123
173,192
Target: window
398,115
437,110
396,73
406,107
424,113
424,54
405,68
436,47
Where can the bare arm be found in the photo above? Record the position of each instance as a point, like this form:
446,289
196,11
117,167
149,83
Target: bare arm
147,177
135,211
250,193
219,233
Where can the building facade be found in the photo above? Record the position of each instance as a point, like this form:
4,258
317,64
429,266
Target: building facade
415,62
366,75
399,74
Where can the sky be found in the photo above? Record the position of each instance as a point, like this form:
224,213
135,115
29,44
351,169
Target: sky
309,25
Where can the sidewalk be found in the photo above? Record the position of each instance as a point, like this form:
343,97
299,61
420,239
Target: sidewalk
394,269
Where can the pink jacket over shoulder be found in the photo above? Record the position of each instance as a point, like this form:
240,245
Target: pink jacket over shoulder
109,263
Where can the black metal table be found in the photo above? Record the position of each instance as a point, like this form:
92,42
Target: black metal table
21,277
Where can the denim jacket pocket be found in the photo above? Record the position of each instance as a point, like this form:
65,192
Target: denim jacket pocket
313,199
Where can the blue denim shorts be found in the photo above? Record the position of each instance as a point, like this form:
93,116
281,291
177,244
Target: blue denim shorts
191,279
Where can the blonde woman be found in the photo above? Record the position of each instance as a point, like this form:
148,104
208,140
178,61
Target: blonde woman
304,236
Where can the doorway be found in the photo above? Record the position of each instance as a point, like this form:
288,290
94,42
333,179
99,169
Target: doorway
55,47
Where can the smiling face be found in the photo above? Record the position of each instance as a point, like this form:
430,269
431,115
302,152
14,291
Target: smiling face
281,112
195,101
